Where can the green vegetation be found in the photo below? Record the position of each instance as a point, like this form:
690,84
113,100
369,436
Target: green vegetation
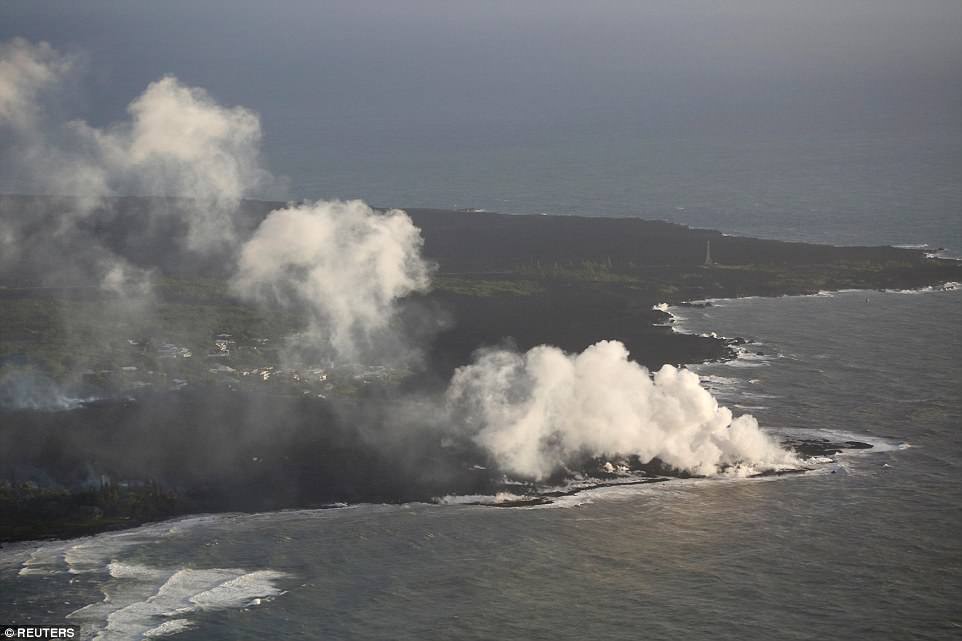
30,512
66,331
565,281
486,287
588,271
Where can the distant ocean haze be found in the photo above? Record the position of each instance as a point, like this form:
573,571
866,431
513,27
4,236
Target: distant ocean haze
821,122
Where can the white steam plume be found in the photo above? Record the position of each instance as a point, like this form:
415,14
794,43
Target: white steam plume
343,263
180,142
35,156
177,142
537,411
26,70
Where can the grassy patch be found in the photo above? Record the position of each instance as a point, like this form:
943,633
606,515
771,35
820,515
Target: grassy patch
486,287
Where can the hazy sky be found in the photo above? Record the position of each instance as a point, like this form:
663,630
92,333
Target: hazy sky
605,105
702,63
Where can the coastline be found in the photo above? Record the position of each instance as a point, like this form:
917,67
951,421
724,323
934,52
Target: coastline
499,276
671,314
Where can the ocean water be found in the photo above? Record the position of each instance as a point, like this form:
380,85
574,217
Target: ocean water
837,123
866,547
855,188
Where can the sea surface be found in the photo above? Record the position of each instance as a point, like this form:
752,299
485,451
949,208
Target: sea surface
838,124
828,124
869,546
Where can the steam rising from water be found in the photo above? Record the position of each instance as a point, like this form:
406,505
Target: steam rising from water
536,412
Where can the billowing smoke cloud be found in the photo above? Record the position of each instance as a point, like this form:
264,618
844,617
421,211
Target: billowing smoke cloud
177,142
341,262
538,411
26,70
29,73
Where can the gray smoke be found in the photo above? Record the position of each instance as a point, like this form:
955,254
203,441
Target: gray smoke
29,389
345,267
177,141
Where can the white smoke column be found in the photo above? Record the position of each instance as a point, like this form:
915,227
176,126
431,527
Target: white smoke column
342,262
179,142
176,142
26,70
537,411
33,155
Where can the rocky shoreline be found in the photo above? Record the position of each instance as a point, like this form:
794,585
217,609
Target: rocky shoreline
200,418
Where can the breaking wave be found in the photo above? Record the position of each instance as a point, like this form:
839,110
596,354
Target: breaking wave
135,608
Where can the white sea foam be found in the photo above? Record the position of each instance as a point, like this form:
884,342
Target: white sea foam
748,358
168,628
137,596
148,611
564,502
949,286
182,525
45,560
677,323
14,555
243,591
943,254
135,571
95,554
172,598
729,387
629,491
713,379
136,583
479,499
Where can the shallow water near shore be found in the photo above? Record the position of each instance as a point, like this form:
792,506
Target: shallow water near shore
866,547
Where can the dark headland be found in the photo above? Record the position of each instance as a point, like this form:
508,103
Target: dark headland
173,435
